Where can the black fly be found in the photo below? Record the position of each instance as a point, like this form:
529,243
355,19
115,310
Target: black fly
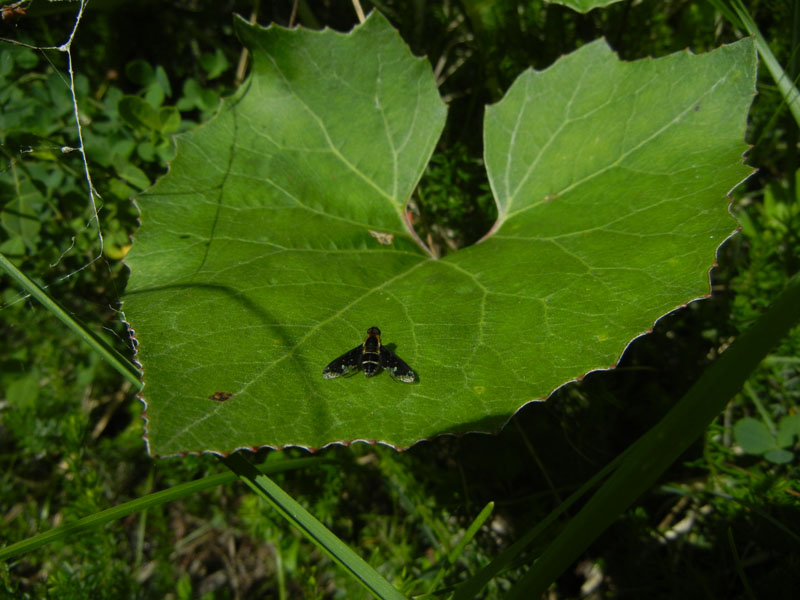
371,356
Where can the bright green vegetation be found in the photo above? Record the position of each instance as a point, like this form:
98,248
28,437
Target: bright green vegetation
725,513
260,249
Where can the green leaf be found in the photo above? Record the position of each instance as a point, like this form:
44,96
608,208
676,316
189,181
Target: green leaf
584,6
138,113
133,175
20,215
194,96
278,237
154,95
140,72
214,64
753,436
788,430
779,456
13,247
169,118
162,79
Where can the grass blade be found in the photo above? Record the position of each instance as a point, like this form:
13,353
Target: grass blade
662,445
455,553
473,586
97,343
298,516
70,530
737,11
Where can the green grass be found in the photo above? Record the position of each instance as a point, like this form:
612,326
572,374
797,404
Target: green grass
70,425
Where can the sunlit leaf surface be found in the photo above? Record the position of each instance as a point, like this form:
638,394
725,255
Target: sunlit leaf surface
278,238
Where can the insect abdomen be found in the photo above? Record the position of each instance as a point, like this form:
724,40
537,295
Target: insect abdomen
371,358
370,362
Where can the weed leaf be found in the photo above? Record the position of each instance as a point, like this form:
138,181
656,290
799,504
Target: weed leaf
279,236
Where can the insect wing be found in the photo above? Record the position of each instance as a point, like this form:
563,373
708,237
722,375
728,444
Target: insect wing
343,365
396,366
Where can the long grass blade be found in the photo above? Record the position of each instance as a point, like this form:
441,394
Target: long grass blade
473,586
738,15
473,528
97,343
300,518
70,530
650,456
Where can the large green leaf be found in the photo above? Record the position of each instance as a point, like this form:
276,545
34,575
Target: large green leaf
260,256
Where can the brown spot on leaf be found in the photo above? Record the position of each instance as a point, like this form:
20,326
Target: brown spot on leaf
383,238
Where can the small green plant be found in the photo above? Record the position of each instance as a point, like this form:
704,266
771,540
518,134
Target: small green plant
757,439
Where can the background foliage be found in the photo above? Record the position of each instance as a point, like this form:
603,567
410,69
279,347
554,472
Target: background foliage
725,517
